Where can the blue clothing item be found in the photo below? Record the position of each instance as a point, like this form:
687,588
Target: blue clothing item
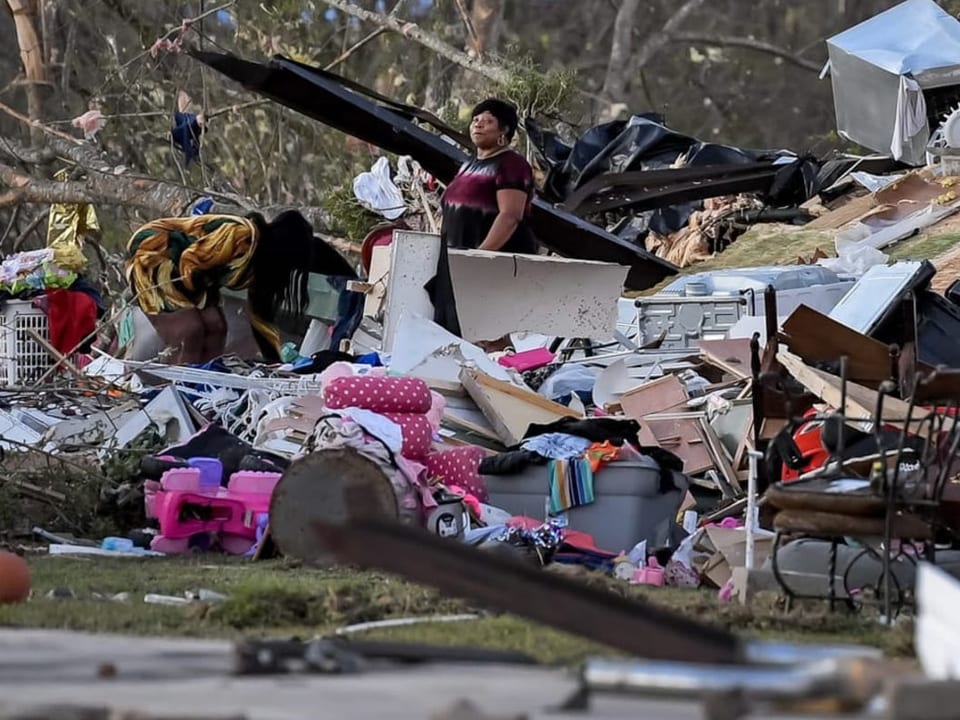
203,206
371,359
186,134
557,446
349,312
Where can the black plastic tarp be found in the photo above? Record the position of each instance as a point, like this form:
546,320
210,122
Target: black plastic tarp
644,142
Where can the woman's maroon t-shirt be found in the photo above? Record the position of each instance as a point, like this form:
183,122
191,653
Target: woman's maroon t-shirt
470,202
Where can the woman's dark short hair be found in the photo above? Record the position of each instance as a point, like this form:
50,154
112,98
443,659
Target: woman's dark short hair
504,112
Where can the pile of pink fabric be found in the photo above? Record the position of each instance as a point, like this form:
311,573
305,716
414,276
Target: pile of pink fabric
409,403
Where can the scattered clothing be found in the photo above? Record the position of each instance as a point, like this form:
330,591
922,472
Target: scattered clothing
82,285
203,207
127,330
67,225
599,454
469,500
186,133
71,320
349,311
372,359
669,464
513,462
384,429
323,359
217,442
571,484
598,430
407,477
557,446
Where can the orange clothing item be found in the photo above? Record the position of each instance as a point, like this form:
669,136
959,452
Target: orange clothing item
601,453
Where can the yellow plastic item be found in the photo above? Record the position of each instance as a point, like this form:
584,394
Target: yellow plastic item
65,228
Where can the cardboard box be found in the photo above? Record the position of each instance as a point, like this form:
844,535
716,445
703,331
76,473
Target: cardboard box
727,549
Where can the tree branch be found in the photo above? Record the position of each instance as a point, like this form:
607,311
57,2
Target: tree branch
747,44
156,197
414,32
97,189
37,125
615,81
656,41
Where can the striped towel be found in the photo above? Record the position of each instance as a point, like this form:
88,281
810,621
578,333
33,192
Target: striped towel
571,484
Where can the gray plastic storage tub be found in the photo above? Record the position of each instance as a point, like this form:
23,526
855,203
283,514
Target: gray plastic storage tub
628,508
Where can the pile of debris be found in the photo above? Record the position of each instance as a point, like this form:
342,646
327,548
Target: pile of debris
678,438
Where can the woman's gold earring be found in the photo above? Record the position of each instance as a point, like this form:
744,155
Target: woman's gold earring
502,140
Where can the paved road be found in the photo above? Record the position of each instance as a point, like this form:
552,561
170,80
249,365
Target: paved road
191,677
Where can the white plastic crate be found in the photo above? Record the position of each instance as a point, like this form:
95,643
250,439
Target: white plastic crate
23,360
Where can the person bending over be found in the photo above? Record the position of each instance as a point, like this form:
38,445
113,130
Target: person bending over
177,267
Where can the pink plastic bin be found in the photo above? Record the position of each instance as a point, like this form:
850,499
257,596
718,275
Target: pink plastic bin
182,479
253,482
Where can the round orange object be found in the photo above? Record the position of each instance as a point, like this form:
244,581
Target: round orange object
14,578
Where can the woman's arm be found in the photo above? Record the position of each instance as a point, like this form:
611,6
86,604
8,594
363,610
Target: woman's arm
511,204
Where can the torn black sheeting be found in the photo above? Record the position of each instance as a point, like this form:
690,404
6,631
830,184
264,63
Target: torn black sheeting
325,96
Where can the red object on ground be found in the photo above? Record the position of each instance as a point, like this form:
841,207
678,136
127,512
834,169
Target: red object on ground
71,318
14,578
809,441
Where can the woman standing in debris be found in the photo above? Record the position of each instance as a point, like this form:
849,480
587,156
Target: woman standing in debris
177,266
486,206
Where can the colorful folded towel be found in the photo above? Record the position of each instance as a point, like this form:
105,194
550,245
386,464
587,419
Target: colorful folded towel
571,484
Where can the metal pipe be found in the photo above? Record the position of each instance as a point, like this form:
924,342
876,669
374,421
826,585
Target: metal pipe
751,525
824,678
841,679
779,653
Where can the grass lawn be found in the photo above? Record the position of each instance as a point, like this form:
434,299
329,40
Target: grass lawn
276,599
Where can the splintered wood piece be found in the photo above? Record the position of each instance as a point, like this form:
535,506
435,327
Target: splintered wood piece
655,396
815,337
718,453
510,410
731,356
837,218
861,401
335,486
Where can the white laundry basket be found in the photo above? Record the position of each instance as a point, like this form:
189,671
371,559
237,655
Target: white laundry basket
23,360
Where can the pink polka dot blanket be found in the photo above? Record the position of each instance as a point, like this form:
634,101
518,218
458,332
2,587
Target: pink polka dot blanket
378,394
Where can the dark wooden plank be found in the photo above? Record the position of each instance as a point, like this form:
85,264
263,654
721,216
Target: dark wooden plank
816,338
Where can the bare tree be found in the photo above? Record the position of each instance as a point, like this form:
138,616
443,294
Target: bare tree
618,66
32,56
